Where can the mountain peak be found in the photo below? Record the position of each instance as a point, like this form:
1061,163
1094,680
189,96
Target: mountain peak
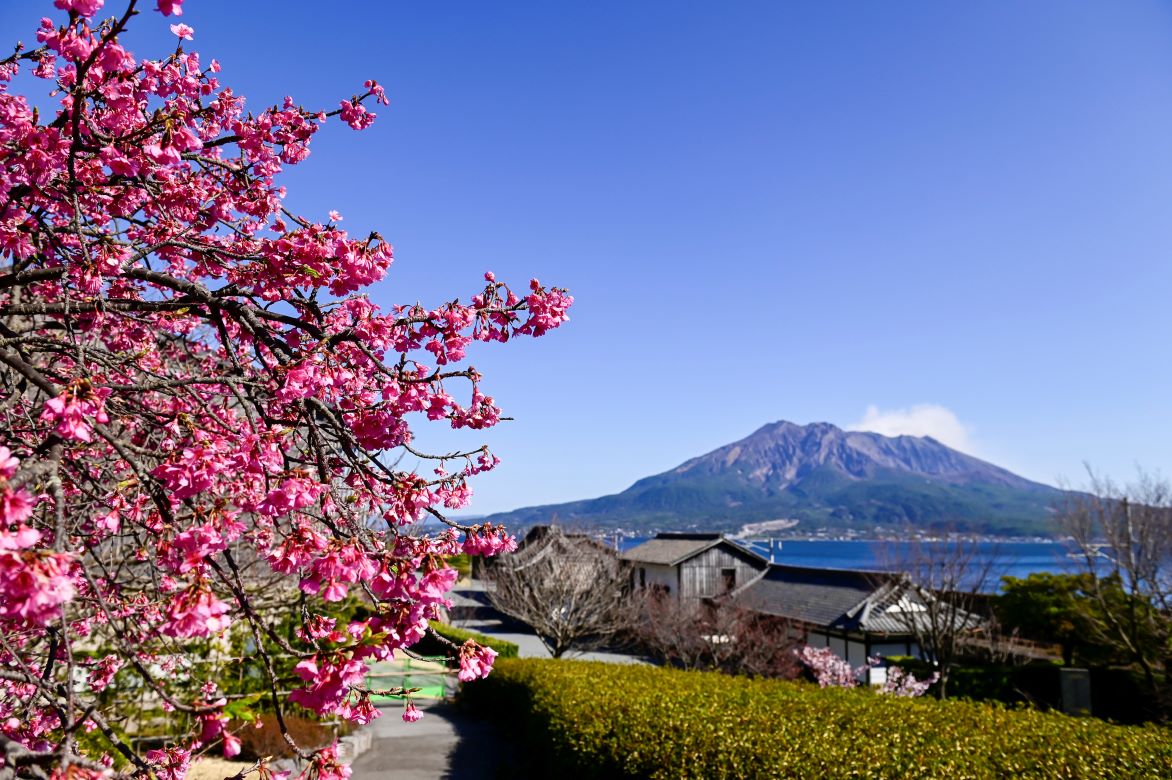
820,473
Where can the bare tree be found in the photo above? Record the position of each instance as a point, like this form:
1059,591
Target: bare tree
571,590
939,596
1123,535
713,634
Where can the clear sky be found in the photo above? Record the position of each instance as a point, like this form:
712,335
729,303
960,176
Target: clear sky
947,218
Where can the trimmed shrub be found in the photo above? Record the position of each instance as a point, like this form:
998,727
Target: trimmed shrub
429,645
461,563
594,720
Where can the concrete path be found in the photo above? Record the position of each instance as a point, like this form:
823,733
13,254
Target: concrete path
529,646
444,744
447,743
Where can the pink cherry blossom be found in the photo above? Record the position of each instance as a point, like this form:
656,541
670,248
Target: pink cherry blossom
196,612
16,506
373,88
901,683
325,765
86,8
232,745
8,463
170,763
35,583
830,670
411,713
190,548
356,115
489,541
102,672
475,661
214,415
74,418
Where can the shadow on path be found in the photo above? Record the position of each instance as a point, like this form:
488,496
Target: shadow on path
446,743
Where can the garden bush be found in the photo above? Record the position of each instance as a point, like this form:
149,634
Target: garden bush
594,720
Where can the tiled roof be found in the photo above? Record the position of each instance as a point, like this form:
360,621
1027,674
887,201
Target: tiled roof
871,602
818,596
669,549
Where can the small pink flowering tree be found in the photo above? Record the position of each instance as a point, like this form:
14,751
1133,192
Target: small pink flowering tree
201,417
831,671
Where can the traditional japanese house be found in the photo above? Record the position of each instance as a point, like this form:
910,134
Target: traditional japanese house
857,614
693,565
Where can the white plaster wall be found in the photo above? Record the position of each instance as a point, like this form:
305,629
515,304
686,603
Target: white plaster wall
663,576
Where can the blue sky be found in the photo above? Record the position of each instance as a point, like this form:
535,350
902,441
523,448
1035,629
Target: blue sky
955,215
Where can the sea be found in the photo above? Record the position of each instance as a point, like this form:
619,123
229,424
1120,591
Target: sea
1005,558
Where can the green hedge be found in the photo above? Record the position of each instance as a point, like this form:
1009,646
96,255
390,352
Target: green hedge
430,646
594,720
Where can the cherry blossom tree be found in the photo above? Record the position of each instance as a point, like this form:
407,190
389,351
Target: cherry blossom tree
831,671
202,418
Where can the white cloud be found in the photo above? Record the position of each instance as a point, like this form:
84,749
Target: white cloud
933,420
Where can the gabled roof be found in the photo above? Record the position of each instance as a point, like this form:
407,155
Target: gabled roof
893,608
671,549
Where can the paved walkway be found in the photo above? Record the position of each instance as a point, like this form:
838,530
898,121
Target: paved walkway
529,646
444,744
448,743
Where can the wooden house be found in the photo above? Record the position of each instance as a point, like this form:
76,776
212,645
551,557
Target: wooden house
693,565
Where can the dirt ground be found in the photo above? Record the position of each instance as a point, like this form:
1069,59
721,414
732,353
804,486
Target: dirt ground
218,769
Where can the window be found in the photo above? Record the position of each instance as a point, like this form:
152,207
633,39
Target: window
642,577
729,578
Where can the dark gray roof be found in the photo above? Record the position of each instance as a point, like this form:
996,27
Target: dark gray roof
847,600
821,597
669,549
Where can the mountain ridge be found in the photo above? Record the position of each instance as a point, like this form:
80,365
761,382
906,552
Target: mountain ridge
824,478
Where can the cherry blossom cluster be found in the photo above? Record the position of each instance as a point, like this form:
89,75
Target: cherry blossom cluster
901,683
831,671
206,429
